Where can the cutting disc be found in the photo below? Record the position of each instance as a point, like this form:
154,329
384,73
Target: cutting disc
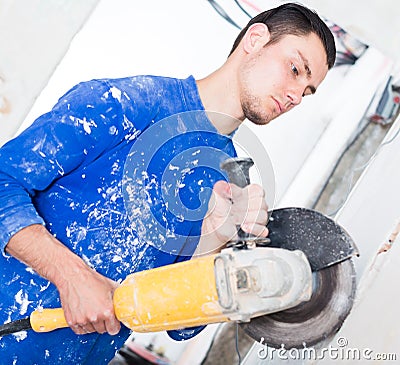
322,240
329,249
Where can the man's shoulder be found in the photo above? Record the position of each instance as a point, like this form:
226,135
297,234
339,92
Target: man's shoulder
139,86
146,80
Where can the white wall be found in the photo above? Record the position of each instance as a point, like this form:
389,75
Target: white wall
34,36
374,21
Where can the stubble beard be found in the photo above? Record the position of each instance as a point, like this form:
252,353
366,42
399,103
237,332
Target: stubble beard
250,103
252,110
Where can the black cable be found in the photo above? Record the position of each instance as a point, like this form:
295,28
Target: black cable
242,8
211,345
222,13
391,139
237,343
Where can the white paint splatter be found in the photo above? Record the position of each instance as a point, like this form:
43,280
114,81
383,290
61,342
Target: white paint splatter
44,287
116,93
172,167
87,124
20,336
30,270
27,166
87,261
22,299
116,258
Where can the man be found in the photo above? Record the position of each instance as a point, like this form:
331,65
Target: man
84,195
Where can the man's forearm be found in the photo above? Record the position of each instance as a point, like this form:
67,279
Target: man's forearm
86,296
38,249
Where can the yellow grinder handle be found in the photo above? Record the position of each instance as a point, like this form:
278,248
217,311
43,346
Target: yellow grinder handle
47,320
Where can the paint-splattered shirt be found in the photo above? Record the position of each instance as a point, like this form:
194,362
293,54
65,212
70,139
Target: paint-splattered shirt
120,171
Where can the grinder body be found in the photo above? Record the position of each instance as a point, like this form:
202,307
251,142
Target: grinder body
232,285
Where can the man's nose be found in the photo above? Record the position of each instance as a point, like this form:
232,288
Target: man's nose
295,95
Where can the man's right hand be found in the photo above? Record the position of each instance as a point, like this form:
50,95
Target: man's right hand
229,207
87,300
86,296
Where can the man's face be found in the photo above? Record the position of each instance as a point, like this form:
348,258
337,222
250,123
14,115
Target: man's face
276,78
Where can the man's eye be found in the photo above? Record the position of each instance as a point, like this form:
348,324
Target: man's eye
294,69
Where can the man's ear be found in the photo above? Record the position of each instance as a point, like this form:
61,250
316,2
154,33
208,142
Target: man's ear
256,37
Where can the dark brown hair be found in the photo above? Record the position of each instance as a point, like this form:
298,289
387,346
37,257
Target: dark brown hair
294,19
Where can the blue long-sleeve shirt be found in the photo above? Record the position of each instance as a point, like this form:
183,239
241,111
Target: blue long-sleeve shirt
120,171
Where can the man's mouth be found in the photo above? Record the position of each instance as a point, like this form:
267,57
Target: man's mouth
278,106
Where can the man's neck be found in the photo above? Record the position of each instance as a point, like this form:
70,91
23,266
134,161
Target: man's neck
219,95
